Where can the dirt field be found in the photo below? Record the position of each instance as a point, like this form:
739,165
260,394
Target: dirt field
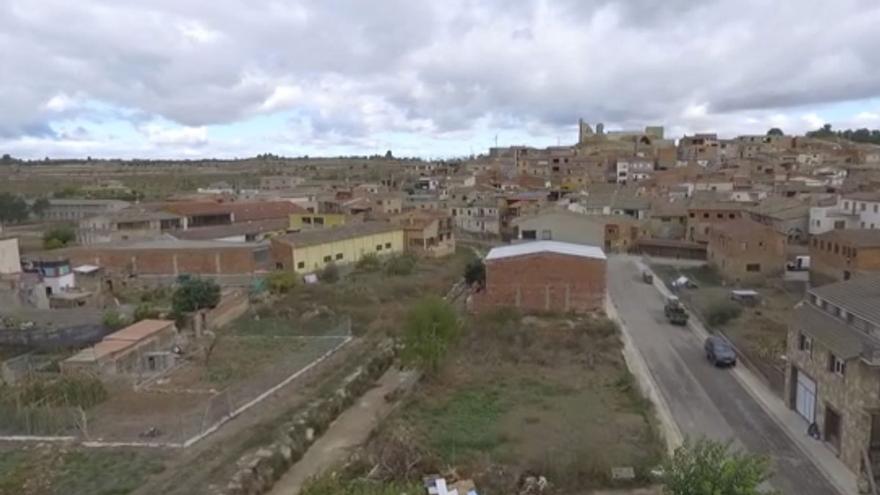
547,395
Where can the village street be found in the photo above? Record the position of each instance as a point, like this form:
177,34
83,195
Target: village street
705,401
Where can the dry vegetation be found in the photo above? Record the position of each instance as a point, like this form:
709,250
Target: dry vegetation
548,395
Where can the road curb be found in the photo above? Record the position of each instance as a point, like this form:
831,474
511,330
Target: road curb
748,382
647,382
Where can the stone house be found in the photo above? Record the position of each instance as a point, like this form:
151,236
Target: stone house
860,210
427,233
705,214
843,254
788,216
833,376
745,251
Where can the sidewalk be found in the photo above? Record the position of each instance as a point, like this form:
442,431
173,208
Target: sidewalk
351,429
793,425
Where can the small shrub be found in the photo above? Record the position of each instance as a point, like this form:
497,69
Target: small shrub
329,274
475,272
113,320
369,263
400,265
722,311
281,282
58,237
145,311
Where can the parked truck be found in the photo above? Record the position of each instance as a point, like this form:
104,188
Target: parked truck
675,312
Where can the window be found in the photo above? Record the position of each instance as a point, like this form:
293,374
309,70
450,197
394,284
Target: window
875,209
705,215
805,343
836,365
339,256
279,266
378,247
328,259
319,220
863,206
846,205
753,267
732,215
301,264
546,235
692,215
307,220
529,234
387,245
720,215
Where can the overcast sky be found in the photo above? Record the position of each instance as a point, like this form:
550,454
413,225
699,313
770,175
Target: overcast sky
193,78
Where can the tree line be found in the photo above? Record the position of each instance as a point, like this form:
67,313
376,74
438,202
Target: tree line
864,135
14,209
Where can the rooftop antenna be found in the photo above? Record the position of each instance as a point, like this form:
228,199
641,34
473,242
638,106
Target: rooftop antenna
496,140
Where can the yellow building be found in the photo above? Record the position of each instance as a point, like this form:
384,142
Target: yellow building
312,250
305,221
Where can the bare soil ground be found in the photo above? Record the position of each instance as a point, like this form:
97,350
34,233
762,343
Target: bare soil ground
547,395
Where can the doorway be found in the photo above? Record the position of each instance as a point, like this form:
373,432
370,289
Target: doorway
832,428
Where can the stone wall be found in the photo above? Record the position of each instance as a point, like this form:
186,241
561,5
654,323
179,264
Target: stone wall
259,470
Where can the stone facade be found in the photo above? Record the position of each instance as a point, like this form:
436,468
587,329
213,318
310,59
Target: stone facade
745,251
851,396
841,254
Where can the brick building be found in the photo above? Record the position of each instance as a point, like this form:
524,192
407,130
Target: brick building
842,254
703,215
175,257
833,376
745,251
544,276
140,349
209,213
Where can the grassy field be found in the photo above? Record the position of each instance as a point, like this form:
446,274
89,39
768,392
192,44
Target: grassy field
66,470
547,395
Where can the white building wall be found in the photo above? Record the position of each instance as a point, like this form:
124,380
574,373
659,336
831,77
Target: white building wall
10,261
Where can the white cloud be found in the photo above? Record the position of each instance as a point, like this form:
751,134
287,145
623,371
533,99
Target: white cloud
60,102
350,71
176,136
197,32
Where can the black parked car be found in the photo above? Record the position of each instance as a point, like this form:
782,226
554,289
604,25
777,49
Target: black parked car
719,352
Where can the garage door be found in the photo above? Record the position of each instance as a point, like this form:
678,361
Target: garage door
805,397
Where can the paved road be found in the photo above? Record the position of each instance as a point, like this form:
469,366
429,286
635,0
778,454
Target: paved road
704,400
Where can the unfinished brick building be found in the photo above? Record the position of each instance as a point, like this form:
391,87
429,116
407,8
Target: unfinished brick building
544,276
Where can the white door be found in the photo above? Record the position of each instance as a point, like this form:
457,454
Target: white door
805,397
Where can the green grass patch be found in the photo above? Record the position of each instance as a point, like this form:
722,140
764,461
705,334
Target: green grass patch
464,423
332,485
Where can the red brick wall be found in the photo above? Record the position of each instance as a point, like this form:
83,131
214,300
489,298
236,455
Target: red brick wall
544,282
234,260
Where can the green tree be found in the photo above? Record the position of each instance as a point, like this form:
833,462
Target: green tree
40,206
775,131
705,467
13,209
58,237
431,326
193,294
475,272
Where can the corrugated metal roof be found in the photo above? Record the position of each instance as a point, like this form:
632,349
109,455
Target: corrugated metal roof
859,296
546,247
